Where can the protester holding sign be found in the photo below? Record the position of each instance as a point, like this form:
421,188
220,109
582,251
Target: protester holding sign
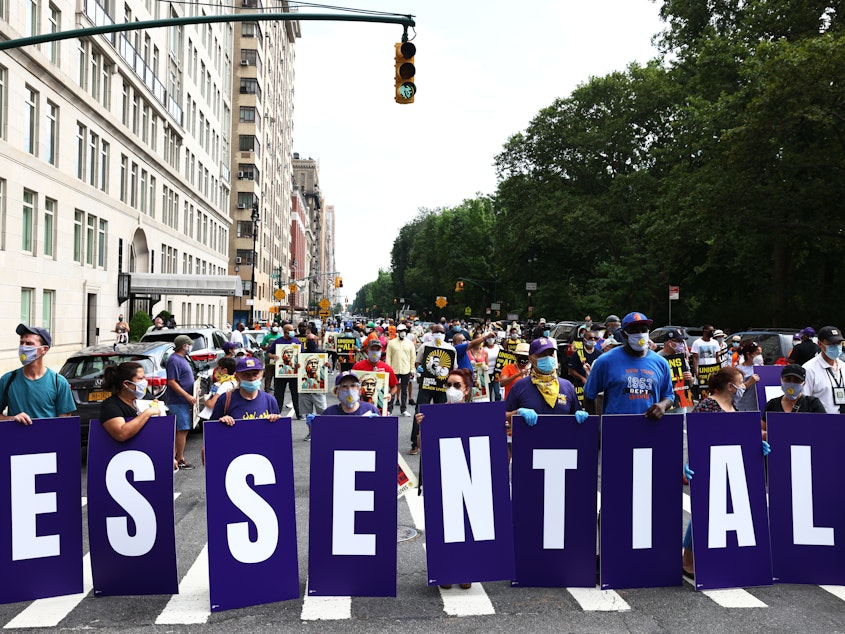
675,353
704,354
752,355
248,401
544,392
119,414
373,363
793,400
726,390
347,388
434,362
289,380
513,372
634,379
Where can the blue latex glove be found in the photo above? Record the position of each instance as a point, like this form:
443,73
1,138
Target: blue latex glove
688,472
580,416
529,415
309,418
420,369
767,448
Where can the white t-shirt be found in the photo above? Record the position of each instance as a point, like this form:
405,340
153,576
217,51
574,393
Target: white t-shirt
820,382
707,351
237,337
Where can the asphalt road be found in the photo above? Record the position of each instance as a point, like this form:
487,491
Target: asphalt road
491,607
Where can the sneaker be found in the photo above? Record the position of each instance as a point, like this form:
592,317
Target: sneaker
414,451
405,412
308,435
411,401
184,465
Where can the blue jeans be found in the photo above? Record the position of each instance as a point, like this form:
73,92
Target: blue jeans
688,536
495,390
182,412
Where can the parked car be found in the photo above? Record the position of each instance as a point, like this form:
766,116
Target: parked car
776,344
208,347
691,333
252,342
85,369
567,333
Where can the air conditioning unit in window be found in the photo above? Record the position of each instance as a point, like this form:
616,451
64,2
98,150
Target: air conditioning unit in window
241,175
241,205
238,260
244,62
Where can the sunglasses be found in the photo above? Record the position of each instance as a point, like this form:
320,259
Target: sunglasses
459,385
589,338
522,361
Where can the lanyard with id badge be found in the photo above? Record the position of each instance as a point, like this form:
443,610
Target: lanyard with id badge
837,384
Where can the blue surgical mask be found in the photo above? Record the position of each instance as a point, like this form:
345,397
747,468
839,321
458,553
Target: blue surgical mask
546,333
546,365
740,392
251,386
833,351
28,354
348,396
374,356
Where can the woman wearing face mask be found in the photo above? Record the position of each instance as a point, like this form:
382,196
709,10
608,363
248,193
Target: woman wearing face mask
793,400
542,392
752,356
119,414
248,401
726,390
347,388
492,348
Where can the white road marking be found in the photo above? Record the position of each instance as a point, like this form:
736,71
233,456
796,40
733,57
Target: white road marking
731,597
596,600
191,605
837,591
325,608
687,504
471,602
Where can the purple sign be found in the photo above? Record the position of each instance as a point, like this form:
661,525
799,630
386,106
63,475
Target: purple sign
251,513
555,478
642,463
806,514
131,527
352,517
730,525
469,534
769,384
40,493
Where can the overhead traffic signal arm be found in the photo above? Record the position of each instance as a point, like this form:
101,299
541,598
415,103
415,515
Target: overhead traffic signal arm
404,72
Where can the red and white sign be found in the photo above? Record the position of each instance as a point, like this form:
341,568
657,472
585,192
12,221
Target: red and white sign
674,292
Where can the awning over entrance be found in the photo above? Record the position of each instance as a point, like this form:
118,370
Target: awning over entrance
156,284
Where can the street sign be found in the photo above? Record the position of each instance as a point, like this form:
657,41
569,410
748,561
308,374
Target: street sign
674,292
513,316
279,294
441,301
496,306
293,288
530,286
467,311
325,313
324,303
250,302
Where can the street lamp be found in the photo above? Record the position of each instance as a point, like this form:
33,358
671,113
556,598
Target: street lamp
256,217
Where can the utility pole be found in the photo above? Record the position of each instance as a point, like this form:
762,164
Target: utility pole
256,217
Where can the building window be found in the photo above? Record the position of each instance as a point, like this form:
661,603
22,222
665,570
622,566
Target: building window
2,214
81,133
244,256
4,100
30,129
102,236
27,220
247,114
245,228
27,299
124,175
31,26
152,197
250,56
93,155
55,20
90,240
49,226
104,165
248,143
250,86
48,309
77,236
133,185
52,137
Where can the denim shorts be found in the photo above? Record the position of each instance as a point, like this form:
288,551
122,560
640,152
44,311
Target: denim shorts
182,412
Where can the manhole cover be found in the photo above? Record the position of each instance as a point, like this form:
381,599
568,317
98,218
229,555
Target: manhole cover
406,534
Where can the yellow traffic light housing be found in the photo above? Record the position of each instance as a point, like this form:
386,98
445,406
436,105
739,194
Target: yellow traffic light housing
404,72
459,287
340,282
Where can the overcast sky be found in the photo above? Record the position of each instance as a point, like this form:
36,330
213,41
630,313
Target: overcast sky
485,68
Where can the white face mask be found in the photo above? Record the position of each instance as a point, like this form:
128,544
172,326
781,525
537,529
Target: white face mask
678,346
438,338
138,389
638,341
401,334
454,395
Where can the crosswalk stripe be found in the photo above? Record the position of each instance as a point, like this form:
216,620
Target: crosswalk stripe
191,605
595,600
325,608
50,612
837,591
731,597
687,504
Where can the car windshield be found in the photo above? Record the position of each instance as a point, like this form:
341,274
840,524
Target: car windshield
198,339
92,367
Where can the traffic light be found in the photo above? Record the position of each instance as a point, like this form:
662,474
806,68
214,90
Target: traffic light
459,287
405,70
339,282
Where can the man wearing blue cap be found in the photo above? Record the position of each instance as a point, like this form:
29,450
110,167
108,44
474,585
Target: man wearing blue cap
34,391
634,379
347,388
248,401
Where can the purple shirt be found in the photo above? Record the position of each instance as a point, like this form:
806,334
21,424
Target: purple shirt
179,370
363,408
260,407
525,394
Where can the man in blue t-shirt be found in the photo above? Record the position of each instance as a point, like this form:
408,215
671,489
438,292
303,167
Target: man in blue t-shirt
634,379
179,396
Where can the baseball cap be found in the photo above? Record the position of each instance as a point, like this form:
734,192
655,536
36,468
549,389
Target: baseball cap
230,345
183,340
247,364
344,375
401,327
542,320
611,318
634,317
793,369
522,348
23,329
374,343
541,344
674,333
809,332
828,333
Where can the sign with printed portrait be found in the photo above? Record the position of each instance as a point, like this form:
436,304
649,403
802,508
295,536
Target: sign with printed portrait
436,362
330,342
288,358
374,389
480,383
312,372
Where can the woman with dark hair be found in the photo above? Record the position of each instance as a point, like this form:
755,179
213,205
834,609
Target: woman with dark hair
750,356
119,415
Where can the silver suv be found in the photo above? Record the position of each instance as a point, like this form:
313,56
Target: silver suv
208,346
